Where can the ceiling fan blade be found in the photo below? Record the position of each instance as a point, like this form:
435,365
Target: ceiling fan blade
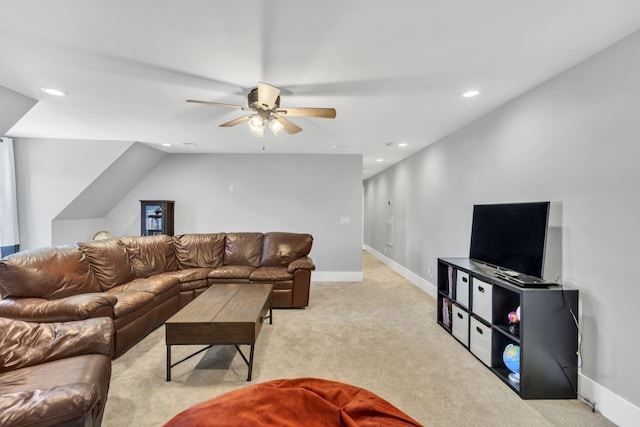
236,121
324,113
218,104
267,95
290,127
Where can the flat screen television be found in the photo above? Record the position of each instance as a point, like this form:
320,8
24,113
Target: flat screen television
511,236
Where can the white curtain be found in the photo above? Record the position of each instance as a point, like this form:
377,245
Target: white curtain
9,235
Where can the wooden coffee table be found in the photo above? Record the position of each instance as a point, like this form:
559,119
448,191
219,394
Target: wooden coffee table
222,315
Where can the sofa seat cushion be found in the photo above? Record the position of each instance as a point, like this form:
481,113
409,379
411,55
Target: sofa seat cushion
55,392
270,274
150,255
158,284
130,301
74,307
162,286
190,274
231,272
191,278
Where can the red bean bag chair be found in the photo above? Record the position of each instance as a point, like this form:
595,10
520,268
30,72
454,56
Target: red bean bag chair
308,402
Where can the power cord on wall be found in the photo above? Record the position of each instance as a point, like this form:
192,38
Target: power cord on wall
578,353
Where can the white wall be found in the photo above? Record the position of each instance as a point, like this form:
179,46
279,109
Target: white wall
50,174
77,230
573,141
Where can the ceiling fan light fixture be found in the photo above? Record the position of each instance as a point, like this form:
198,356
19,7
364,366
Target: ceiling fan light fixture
264,101
256,125
275,125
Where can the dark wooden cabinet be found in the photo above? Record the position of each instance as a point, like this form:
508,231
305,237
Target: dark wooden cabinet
474,307
156,217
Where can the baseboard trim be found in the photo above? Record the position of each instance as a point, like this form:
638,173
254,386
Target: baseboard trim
610,405
615,408
416,280
337,276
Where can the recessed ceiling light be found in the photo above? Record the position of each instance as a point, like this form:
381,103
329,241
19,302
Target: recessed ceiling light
166,144
379,160
471,93
395,144
54,92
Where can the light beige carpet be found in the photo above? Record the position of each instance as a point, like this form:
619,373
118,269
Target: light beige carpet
379,334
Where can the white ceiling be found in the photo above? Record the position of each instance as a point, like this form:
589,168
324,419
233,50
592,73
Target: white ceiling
394,70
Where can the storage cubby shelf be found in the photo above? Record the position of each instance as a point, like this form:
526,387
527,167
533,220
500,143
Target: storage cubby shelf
547,335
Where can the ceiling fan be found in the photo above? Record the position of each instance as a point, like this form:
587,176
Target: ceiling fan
264,103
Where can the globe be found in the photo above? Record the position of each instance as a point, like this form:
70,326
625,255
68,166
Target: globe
511,358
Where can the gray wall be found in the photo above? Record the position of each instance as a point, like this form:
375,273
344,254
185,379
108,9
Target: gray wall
271,192
573,141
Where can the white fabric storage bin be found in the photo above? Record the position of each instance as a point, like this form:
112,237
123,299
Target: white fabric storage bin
482,299
480,341
460,325
462,288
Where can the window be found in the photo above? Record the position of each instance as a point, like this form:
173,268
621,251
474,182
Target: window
9,241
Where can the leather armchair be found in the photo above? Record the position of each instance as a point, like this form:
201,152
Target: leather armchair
54,373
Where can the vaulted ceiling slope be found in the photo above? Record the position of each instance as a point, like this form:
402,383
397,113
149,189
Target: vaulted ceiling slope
13,106
394,70
113,184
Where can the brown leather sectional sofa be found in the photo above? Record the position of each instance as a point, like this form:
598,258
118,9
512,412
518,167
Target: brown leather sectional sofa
140,282
54,373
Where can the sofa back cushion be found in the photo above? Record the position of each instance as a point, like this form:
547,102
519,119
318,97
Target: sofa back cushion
199,250
243,249
109,261
279,249
150,255
50,273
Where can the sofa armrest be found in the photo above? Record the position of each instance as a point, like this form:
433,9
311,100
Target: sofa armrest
304,263
25,344
75,307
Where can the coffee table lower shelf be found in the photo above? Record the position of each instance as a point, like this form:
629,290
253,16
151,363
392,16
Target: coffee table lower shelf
249,361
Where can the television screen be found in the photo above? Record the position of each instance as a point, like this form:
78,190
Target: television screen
511,236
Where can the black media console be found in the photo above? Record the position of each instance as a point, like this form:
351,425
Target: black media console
474,305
